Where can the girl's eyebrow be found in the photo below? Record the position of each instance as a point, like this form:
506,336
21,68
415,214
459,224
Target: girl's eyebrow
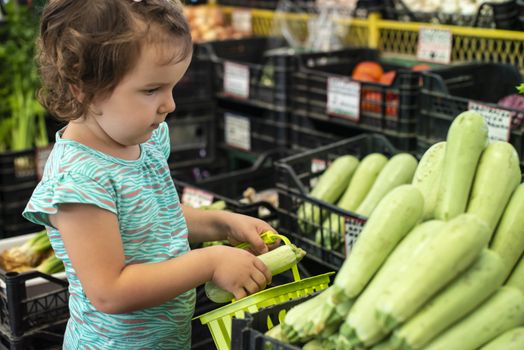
156,83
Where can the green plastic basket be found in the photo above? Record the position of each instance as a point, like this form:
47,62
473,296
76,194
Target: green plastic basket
219,320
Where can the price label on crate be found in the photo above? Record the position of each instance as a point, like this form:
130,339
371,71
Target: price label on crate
237,131
196,198
317,165
241,21
343,98
236,80
498,120
434,45
352,231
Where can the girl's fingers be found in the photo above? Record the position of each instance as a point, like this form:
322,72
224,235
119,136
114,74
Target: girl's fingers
260,279
252,287
240,293
264,270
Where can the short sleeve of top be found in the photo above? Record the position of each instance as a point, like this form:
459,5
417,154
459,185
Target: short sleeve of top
70,177
66,189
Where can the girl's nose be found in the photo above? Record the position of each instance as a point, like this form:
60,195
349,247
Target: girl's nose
168,106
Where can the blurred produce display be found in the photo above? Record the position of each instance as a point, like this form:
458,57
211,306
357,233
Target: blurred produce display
501,14
208,23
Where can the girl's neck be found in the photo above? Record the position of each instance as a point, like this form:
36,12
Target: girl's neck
91,135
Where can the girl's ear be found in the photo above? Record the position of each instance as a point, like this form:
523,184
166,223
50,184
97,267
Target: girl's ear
77,93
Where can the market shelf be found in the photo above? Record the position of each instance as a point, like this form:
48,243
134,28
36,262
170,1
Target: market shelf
393,37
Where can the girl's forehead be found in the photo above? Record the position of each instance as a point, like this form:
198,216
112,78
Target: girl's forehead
162,54
165,49
158,63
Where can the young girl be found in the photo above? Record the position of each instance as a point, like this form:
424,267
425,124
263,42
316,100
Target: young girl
107,199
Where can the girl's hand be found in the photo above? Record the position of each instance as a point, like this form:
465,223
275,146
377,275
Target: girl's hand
242,228
238,271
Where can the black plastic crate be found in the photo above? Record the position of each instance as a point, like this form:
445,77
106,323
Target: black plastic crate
192,131
387,109
196,85
248,332
252,130
17,167
308,133
51,338
18,179
448,92
225,160
365,7
230,186
12,223
261,177
24,315
294,175
267,61
499,15
271,4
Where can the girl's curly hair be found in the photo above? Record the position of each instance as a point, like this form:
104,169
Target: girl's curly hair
91,45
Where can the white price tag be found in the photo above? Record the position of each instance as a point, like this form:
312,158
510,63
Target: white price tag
317,165
434,45
242,21
236,80
196,198
352,231
237,131
343,98
498,121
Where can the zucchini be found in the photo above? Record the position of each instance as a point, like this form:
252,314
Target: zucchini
363,325
516,279
329,188
510,340
503,311
427,177
331,315
299,320
467,137
498,174
277,261
385,345
508,239
276,333
453,249
364,177
314,344
396,214
459,298
398,170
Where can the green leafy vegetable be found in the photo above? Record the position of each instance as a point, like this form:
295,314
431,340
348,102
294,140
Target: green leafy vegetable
22,118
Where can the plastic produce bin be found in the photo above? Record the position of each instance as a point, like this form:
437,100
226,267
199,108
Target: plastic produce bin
294,182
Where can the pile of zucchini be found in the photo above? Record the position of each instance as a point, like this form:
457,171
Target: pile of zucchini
355,186
439,264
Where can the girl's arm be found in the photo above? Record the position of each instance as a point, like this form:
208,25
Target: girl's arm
92,239
216,225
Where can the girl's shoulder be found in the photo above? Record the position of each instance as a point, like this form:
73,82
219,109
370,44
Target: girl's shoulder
73,157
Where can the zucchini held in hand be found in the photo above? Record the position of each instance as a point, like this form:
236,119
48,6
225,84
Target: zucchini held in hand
277,261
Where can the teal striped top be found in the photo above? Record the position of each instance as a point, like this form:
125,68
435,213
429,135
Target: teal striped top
142,195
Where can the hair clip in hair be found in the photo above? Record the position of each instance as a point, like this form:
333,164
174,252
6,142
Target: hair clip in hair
137,0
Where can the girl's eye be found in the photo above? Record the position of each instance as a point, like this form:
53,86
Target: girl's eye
150,91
